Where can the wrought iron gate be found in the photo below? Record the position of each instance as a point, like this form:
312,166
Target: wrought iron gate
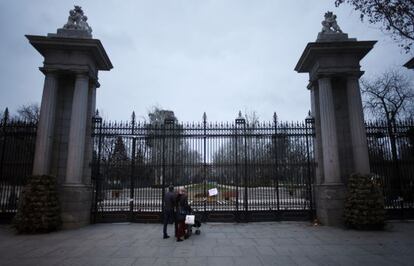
263,171
391,152
17,143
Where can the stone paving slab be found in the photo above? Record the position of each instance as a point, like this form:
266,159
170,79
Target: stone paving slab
272,243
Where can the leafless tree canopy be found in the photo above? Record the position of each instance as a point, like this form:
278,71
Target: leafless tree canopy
389,96
396,17
29,112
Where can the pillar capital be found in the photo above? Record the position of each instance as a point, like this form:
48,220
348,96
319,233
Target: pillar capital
314,77
68,70
81,75
49,71
355,77
333,56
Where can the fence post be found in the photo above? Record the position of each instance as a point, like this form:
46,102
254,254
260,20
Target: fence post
167,121
97,123
131,191
171,177
396,172
246,194
276,164
163,168
205,165
241,121
237,172
309,122
397,164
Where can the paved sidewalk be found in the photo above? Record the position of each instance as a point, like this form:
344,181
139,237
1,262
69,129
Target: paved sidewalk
275,243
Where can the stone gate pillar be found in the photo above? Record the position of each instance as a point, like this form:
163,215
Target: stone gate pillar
72,59
341,145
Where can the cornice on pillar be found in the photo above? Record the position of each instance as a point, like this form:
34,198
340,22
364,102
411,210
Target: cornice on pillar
333,59
81,75
337,73
86,55
49,72
70,70
315,51
93,47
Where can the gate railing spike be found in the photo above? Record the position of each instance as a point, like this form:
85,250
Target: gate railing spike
133,117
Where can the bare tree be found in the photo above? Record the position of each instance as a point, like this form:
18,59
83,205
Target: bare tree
29,112
396,17
252,118
389,96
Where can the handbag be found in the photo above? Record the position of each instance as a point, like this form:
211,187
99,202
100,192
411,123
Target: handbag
189,219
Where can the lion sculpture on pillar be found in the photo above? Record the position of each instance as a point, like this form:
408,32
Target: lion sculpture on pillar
329,25
77,20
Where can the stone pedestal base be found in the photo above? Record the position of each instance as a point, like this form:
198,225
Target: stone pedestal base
76,201
330,199
71,33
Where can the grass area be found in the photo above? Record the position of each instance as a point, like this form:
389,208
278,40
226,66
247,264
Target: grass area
200,187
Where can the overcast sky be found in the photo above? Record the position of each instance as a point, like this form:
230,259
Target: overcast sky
193,56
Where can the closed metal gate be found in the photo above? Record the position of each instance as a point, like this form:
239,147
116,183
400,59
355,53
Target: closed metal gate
17,144
262,171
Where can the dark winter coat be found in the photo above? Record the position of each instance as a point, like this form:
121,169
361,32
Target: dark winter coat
182,207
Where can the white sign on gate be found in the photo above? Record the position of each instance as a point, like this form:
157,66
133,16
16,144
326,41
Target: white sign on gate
212,192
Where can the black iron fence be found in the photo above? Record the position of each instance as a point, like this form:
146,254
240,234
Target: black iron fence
391,152
17,142
262,171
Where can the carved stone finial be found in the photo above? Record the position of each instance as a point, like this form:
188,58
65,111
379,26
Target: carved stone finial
329,25
77,25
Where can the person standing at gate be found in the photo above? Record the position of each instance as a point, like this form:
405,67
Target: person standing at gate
168,211
182,210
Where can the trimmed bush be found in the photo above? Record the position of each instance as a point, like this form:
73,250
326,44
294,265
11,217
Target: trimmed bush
39,208
364,204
